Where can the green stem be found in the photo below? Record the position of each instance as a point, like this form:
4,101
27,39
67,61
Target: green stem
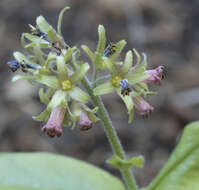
111,134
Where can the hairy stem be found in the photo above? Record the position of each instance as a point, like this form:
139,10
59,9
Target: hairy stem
111,134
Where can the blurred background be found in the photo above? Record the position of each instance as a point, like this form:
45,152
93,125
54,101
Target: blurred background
167,30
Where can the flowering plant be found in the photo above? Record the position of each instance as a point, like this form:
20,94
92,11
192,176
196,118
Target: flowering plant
50,61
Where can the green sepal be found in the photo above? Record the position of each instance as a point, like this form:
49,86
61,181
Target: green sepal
127,63
23,44
60,19
140,67
58,99
102,39
134,78
45,96
120,46
43,116
61,68
77,94
91,113
90,54
104,88
120,163
79,74
128,102
49,81
47,28
30,78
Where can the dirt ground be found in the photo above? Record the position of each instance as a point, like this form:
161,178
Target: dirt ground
167,30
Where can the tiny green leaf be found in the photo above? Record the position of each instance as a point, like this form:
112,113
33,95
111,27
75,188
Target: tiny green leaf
119,163
102,39
104,88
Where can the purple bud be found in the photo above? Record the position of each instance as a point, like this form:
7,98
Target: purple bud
54,125
84,122
155,75
141,106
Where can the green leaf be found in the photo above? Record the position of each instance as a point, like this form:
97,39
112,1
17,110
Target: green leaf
47,28
60,20
102,39
181,170
105,88
80,73
77,94
44,171
127,63
119,163
61,68
120,46
89,53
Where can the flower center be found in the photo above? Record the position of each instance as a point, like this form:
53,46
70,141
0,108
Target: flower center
66,85
116,81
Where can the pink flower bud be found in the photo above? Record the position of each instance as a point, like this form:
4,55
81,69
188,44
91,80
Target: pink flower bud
141,106
84,122
155,75
54,125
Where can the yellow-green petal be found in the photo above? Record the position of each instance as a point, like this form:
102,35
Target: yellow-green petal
105,88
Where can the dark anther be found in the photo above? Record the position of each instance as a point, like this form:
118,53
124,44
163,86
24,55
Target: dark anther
110,49
125,87
14,65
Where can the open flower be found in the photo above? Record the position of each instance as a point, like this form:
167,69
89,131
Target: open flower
141,106
155,75
124,74
54,125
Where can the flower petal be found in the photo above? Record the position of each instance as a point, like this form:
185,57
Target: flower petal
110,66
79,73
61,68
48,81
77,94
104,88
102,39
127,63
120,45
128,102
47,28
89,52
60,20
27,77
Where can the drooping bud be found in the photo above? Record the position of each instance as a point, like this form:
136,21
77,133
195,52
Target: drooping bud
54,125
84,122
141,106
155,75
